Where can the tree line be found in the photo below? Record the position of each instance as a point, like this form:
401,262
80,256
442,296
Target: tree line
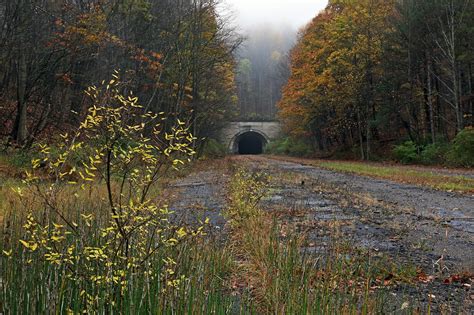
368,72
175,55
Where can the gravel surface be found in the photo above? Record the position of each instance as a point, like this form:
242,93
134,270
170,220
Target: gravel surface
429,214
428,229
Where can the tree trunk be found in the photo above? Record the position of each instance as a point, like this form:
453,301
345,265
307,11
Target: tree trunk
430,101
367,153
20,132
361,137
457,103
469,82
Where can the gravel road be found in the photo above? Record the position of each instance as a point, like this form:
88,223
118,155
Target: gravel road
429,229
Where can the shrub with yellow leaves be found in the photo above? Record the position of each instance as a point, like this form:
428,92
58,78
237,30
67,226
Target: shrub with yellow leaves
246,191
125,149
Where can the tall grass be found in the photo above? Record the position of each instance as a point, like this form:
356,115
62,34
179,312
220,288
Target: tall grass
30,285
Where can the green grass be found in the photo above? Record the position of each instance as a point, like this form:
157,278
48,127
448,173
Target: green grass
404,174
31,285
8,181
38,287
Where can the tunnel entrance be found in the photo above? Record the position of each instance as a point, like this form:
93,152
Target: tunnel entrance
251,143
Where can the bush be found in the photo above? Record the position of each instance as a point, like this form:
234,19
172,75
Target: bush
122,236
461,152
20,159
289,146
434,153
213,149
458,153
278,147
406,152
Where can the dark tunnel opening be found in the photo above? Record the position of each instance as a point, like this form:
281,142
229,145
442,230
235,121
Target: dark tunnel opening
251,143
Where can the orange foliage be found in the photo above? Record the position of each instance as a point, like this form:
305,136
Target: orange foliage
90,32
330,67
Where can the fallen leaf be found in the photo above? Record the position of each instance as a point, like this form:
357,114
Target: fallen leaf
405,305
423,277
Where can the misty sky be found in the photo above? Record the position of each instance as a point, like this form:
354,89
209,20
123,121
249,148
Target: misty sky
278,12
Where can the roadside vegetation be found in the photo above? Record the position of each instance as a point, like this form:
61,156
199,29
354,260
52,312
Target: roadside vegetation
290,147
460,152
89,230
213,149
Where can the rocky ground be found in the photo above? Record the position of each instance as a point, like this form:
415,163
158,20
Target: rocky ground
431,232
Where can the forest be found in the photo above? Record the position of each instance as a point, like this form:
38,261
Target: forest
177,55
369,74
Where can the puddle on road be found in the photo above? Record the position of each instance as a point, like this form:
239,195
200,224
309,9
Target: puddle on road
321,212
456,219
466,225
371,237
275,198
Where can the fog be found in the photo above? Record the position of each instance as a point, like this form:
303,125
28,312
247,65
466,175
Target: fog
294,13
269,28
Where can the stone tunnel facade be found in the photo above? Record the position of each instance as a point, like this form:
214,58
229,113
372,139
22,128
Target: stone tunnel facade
249,137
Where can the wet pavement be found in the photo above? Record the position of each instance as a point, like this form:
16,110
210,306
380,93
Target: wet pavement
201,196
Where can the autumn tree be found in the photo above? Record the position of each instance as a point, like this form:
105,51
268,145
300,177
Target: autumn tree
370,72
335,70
176,55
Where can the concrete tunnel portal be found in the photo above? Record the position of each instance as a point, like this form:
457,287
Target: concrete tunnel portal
249,138
250,143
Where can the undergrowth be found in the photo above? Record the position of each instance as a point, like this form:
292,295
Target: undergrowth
289,146
459,153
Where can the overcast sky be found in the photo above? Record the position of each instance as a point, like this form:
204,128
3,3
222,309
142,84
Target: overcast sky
278,12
